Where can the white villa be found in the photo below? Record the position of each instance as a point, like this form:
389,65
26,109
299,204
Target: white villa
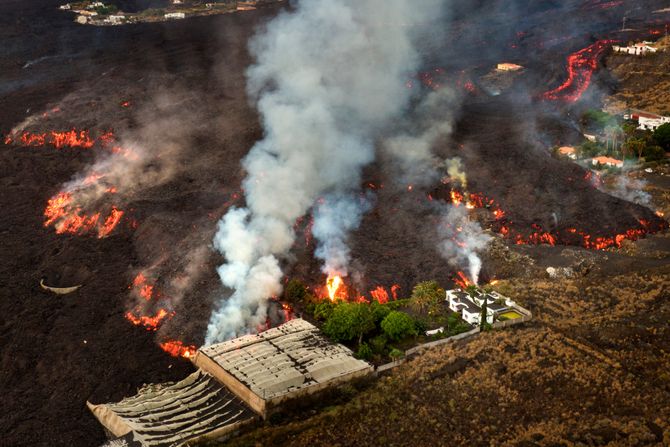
637,49
470,307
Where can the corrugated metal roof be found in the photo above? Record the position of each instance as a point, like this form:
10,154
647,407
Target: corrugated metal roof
162,415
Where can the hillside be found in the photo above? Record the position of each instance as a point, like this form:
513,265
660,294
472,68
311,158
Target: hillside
643,82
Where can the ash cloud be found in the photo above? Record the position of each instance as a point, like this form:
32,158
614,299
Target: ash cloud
329,75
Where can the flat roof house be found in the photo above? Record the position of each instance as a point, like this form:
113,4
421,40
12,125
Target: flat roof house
470,307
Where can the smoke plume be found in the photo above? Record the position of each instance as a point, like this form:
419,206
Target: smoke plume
329,75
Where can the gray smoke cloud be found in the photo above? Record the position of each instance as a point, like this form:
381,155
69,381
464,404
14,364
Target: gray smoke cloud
460,239
329,75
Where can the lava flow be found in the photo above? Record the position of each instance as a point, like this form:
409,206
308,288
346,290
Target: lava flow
581,66
66,217
177,348
70,138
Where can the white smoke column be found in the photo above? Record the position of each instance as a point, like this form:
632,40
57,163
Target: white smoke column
329,74
461,240
334,218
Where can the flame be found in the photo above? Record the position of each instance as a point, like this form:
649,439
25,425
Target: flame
70,138
177,348
462,280
394,291
380,294
151,323
333,284
68,218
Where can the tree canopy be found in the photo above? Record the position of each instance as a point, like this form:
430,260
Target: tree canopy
398,325
349,321
426,294
662,136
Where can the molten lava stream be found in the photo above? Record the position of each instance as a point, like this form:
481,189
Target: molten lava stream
581,66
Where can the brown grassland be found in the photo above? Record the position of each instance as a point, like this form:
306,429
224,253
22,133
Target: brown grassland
592,369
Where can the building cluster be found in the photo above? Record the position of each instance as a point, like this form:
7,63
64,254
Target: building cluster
637,49
647,120
470,306
237,382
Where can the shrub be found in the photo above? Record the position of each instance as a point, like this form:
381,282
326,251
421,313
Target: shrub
379,311
396,354
378,344
398,325
654,153
364,352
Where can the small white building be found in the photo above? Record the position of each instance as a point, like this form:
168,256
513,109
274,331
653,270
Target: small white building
470,307
116,19
652,123
637,49
175,15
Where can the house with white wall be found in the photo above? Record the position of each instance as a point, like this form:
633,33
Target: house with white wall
637,49
470,307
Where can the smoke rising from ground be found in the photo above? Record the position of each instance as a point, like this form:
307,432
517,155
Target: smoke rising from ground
328,76
460,238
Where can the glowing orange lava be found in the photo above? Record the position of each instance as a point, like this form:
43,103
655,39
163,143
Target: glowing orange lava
380,295
177,348
151,323
581,66
68,218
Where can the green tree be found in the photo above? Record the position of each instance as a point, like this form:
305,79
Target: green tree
654,153
589,149
295,291
636,146
396,354
398,325
482,317
349,321
662,136
323,310
426,295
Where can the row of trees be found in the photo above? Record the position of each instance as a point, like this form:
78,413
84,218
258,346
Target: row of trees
373,327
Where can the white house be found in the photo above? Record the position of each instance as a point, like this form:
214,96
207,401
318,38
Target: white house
637,49
649,123
470,307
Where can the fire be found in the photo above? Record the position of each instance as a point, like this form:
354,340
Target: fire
394,291
581,66
70,138
68,218
177,348
333,284
380,294
151,323
462,280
